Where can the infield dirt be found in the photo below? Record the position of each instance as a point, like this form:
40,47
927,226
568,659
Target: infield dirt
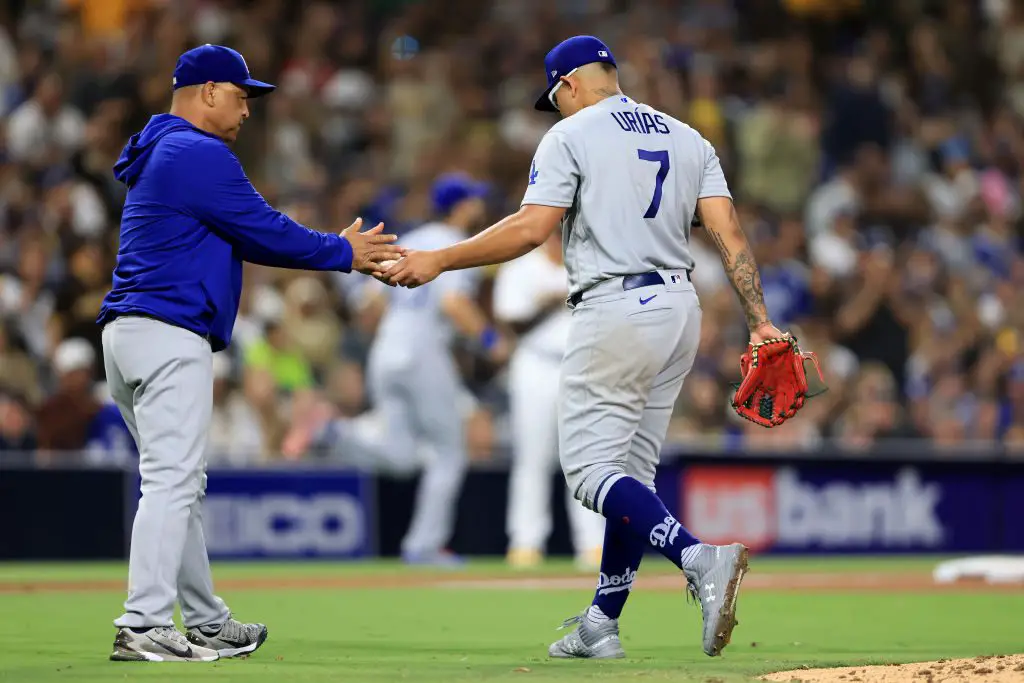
991,669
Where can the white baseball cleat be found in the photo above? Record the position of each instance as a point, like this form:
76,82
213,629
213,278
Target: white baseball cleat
714,582
230,639
587,640
158,644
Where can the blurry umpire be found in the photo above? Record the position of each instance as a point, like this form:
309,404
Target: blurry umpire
190,219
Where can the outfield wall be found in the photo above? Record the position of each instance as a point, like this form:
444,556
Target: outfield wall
875,505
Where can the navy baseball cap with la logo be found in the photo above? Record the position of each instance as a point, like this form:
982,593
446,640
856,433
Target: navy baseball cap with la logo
566,57
218,64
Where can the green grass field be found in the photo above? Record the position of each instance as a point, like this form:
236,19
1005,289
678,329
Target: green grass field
445,633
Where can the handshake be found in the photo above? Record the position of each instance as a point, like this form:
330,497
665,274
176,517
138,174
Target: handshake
373,253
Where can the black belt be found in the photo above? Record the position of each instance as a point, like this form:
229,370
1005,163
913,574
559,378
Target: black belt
629,282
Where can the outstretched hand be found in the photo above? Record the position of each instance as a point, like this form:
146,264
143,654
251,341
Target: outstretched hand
414,269
371,249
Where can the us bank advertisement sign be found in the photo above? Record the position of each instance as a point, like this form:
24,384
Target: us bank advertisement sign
839,508
288,514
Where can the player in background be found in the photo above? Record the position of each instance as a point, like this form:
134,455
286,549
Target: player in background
413,378
529,298
625,182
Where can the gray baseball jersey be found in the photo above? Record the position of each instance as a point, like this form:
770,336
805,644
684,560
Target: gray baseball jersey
630,177
414,316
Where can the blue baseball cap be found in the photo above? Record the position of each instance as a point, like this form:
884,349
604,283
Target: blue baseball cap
218,64
566,57
955,149
452,188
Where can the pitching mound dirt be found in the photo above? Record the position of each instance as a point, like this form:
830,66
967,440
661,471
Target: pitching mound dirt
990,669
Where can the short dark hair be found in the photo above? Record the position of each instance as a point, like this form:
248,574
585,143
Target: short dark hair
608,68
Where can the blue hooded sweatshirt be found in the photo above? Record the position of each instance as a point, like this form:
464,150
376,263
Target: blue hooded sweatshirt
190,219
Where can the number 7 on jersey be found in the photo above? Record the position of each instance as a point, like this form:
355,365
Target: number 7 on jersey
661,156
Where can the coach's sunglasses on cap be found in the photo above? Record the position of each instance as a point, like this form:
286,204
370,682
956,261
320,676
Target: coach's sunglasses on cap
551,95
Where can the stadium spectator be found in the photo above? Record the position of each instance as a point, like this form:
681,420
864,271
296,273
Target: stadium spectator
278,355
20,374
875,153
25,299
16,428
64,417
80,294
76,418
778,153
44,129
260,390
236,434
873,412
312,326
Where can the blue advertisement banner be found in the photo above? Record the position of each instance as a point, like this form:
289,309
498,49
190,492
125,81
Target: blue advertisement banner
285,514
830,507
1011,502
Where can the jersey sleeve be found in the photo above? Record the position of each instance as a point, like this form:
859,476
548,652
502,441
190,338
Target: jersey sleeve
514,298
218,193
713,184
554,173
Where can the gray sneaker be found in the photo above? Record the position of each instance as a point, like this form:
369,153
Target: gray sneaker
160,644
231,639
714,581
587,641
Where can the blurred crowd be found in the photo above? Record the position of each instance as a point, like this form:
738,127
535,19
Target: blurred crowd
875,151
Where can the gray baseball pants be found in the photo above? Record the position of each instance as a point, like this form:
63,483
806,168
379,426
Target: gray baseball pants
533,390
161,378
419,395
627,356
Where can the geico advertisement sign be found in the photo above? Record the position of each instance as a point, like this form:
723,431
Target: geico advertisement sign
284,524
767,507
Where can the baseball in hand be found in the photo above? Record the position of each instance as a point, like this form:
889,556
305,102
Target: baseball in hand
384,265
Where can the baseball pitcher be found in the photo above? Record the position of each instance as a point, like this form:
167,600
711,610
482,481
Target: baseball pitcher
529,297
624,181
412,374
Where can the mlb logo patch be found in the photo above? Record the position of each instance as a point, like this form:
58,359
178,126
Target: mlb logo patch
602,53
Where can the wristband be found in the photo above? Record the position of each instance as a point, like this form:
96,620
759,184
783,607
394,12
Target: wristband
488,338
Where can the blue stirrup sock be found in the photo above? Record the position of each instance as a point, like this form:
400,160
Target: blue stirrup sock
631,506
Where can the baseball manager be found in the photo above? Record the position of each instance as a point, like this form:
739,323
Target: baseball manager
191,217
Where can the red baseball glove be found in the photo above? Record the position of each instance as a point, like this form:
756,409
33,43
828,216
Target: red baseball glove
775,381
